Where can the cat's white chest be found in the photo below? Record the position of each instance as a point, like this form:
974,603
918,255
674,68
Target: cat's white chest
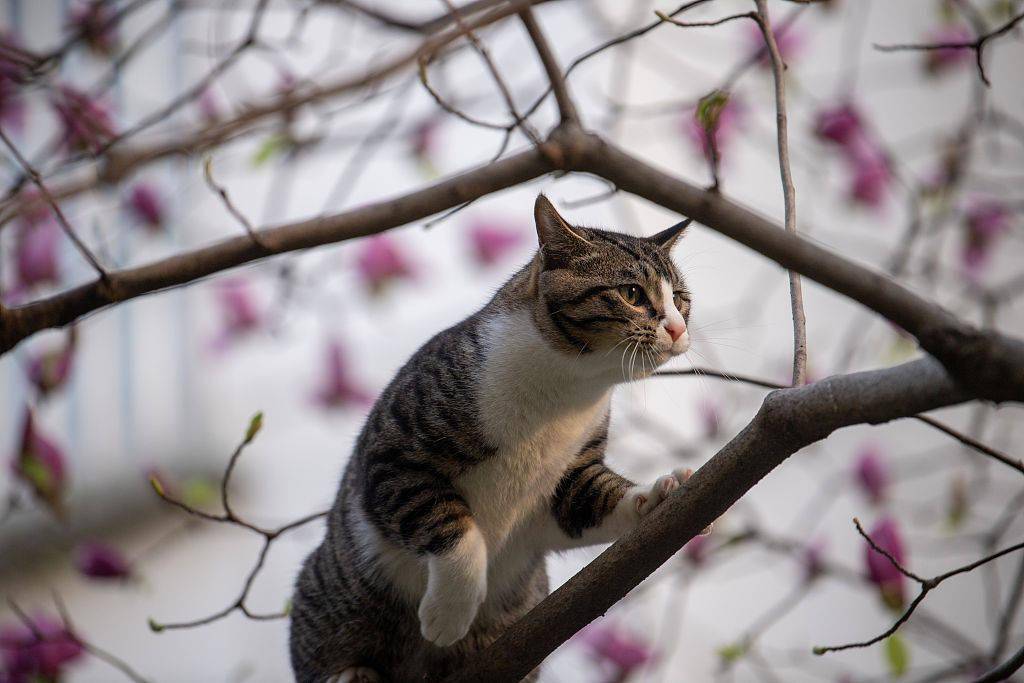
539,412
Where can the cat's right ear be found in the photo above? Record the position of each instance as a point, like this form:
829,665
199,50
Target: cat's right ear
553,232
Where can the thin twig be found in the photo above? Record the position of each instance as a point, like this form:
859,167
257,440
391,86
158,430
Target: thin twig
788,192
566,108
1015,463
230,206
37,180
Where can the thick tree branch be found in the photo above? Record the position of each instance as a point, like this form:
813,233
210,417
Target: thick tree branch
788,420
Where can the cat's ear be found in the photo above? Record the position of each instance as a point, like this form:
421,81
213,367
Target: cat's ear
667,238
553,232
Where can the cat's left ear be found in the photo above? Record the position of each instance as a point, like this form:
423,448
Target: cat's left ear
666,239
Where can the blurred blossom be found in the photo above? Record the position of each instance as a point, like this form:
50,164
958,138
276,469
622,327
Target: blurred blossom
695,550
96,22
944,59
86,122
240,315
840,124
717,117
711,418
789,41
958,501
338,390
380,262
101,561
490,242
37,654
12,74
48,370
35,252
208,105
813,559
424,143
872,473
146,206
887,578
615,648
872,177
40,465
985,221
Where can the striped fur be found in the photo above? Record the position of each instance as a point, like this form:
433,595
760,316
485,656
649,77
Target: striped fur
484,453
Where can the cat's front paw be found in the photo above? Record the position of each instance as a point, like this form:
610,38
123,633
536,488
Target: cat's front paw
446,613
644,501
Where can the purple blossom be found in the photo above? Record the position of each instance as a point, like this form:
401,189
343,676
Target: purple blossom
715,119
813,559
944,59
789,41
96,22
984,222
872,473
872,177
209,106
40,465
36,254
887,578
87,123
840,124
615,648
146,206
490,242
101,561
338,390
711,418
239,312
50,369
696,549
380,262
37,654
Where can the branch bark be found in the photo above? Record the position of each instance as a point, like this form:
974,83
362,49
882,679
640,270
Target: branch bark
788,420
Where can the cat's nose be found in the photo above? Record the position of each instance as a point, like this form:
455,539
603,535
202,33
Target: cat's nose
675,329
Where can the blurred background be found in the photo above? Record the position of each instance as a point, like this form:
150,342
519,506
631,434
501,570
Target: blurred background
903,161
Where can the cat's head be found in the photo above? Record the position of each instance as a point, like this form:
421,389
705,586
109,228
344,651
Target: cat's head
610,296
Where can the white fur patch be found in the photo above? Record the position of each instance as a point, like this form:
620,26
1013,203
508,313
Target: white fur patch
675,318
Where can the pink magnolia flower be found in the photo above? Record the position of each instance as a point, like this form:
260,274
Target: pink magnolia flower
840,124
490,242
96,22
872,473
209,106
984,222
338,389
714,121
872,177
40,465
36,254
146,206
87,123
881,572
37,654
615,648
239,311
50,369
696,549
380,262
942,60
813,559
101,561
789,41
711,418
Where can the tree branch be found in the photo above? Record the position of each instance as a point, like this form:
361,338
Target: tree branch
566,108
788,420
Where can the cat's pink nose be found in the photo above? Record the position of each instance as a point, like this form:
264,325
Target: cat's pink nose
675,329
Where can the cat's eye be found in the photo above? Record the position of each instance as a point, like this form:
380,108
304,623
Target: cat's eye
633,294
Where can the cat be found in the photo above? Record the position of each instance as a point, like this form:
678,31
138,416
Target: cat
484,453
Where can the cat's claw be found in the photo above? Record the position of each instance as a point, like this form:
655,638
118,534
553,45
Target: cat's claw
646,501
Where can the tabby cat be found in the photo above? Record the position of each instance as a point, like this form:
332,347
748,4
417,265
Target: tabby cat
484,453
